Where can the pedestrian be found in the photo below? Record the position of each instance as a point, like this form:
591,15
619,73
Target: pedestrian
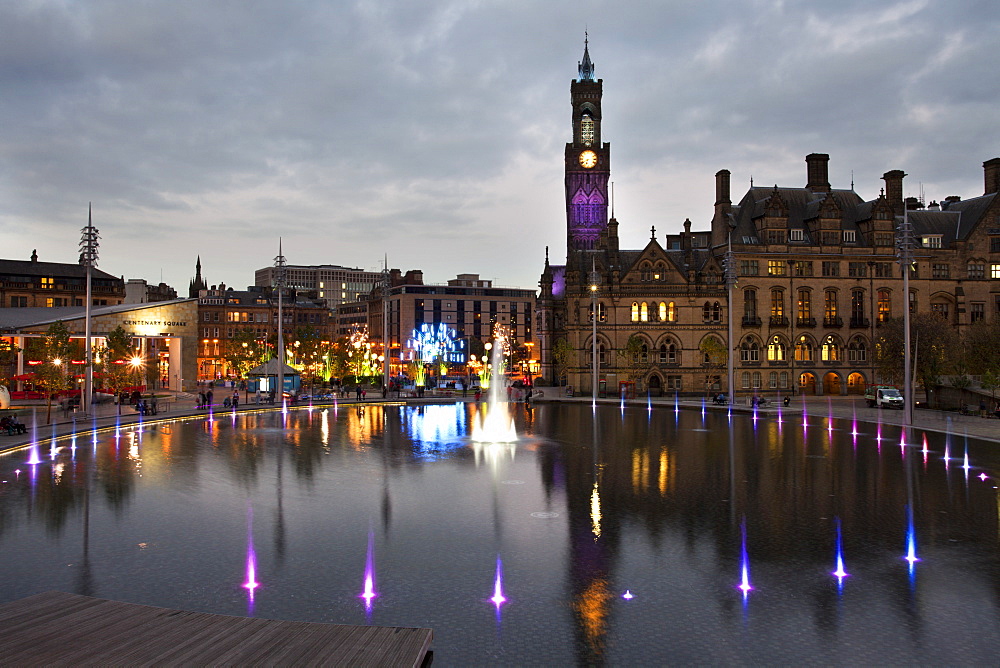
208,395
479,394
257,397
364,394
236,399
510,390
530,392
357,392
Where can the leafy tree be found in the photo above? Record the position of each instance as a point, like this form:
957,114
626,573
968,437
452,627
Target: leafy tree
631,358
52,375
309,351
982,345
563,356
715,356
244,351
933,342
116,364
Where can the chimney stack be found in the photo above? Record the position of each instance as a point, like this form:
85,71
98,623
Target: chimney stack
991,170
817,172
722,187
894,190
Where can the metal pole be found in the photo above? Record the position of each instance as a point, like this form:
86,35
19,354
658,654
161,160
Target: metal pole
88,246
386,347
730,277
279,263
906,259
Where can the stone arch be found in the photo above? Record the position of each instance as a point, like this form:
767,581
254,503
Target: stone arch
807,383
805,349
856,383
654,384
832,384
750,349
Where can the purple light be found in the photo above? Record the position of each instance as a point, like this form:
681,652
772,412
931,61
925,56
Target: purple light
369,587
498,597
33,457
840,573
983,477
251,582
744,585
628,596
911,540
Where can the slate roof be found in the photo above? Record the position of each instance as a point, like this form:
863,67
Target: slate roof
53,269
803,204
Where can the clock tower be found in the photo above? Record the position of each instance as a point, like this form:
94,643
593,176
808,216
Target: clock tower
588,162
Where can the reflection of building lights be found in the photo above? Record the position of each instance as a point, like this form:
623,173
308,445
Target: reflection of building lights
595,511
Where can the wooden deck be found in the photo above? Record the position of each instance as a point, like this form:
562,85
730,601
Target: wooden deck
56,629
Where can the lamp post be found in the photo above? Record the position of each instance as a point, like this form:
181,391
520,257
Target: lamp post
871,309
793,307
729,274
904,253
595,280
386,348
88,255
279,264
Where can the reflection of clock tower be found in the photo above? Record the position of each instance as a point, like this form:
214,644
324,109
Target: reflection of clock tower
588,163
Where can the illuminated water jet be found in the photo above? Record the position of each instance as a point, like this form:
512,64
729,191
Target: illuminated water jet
744,585
840,573
251,582
628,596
368,592
498,598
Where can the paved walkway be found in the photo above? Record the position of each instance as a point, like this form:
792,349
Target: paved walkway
184,405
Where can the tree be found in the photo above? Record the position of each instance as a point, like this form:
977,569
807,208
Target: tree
632,358
117,364
244,351
933,342
309,350
563,356
51,374
715,356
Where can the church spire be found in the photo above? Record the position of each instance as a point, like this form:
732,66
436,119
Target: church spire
585,67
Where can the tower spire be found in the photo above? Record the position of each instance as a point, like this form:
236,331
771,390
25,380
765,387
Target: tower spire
586,67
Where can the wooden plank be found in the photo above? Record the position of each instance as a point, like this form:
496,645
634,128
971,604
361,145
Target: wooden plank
56,628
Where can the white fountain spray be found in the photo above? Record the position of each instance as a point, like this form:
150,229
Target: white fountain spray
498,425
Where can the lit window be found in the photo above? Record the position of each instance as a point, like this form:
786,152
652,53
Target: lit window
776,267
931,241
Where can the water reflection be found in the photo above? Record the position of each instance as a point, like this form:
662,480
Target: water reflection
584,504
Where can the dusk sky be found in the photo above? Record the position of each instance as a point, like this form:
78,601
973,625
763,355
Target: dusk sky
433,132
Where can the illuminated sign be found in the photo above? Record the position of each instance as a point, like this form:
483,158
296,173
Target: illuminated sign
161,323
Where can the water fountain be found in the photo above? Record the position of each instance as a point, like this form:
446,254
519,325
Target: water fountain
497,426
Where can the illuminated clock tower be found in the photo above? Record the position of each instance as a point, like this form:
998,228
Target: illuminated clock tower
588,162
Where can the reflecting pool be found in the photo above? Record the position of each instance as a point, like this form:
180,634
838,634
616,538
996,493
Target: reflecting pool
609,535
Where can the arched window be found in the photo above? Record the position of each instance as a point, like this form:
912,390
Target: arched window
756,380
663,311
775,350
805,307
750,304
772,380
782,380
858,307
671,312
645,273
803,349
830,308
644,354
660,272
745,378
706,312
777,303
857,351
750,351
644,313
635,311
830,351
884,306
716,312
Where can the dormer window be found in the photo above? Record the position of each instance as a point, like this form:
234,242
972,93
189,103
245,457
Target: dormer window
849,237
796,235
931,241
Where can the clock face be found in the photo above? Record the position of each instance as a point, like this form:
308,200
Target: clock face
588,159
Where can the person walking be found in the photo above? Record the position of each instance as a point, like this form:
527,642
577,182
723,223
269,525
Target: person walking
236,399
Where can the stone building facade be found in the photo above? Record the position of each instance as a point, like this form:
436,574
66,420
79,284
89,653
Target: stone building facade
816,274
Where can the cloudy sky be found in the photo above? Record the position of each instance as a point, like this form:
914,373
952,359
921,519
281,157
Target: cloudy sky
433,131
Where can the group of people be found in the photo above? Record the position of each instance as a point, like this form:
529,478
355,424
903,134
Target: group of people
10,424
